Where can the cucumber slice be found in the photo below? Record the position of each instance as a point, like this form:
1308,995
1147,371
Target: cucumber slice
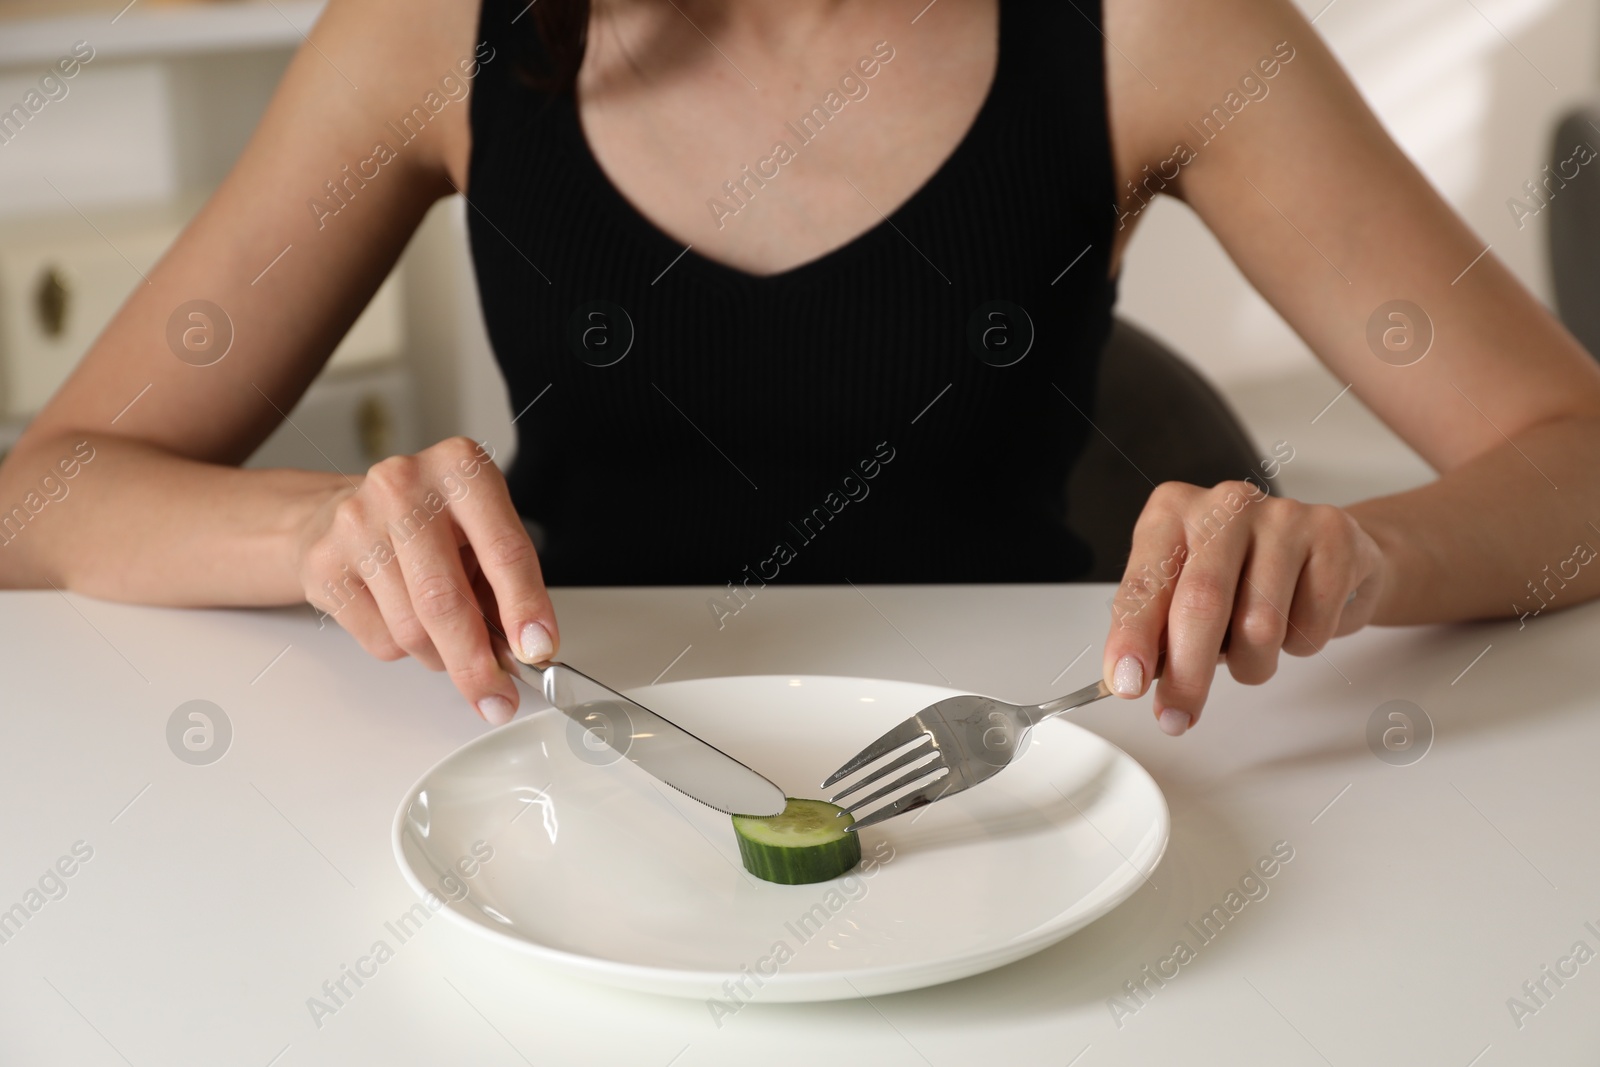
806,842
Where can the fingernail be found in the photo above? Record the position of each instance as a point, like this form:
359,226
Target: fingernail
535,642
1128,678
1174,722
496,710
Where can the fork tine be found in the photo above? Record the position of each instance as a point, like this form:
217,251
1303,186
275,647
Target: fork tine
915,754
909,802
917,774
908,730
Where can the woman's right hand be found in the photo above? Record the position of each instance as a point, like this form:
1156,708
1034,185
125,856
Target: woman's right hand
423,557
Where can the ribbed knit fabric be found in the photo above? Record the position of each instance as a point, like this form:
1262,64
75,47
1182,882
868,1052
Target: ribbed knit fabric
864,416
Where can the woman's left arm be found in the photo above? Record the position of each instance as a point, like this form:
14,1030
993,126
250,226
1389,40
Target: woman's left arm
1331,222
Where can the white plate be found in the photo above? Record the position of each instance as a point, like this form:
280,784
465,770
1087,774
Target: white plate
604,873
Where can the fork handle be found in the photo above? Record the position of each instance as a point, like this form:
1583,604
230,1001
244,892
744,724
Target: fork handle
1089,694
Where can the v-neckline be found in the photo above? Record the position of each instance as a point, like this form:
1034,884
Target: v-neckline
968,143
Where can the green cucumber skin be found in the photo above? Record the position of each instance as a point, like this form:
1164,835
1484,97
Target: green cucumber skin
801,865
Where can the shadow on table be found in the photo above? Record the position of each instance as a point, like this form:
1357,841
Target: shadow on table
1203,862
1523,676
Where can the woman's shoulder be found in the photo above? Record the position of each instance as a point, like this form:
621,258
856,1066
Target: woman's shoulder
1172,67
413,65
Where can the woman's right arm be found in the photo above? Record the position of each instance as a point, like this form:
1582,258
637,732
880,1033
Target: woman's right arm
156,510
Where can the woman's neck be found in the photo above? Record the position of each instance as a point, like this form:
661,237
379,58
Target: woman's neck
778,25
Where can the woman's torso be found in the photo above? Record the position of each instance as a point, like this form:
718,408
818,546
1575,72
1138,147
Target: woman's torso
769,379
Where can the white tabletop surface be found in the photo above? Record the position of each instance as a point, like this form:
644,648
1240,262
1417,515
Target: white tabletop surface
218,898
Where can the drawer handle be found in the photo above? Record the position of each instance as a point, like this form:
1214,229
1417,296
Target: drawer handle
50,299
374,427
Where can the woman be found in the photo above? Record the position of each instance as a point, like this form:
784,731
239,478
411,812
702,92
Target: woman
814,288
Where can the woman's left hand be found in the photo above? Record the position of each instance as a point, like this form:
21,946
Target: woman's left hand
1232,573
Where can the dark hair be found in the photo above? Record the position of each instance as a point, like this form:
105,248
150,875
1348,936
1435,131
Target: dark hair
563,30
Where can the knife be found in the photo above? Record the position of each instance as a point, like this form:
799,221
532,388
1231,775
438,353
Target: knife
655,744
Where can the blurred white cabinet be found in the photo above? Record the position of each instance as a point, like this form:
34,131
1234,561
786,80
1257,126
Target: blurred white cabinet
346,422
149,129
61,281
55,297
99,184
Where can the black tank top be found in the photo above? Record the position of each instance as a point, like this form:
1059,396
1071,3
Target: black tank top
901,409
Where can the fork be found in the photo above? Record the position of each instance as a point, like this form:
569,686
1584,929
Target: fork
965,740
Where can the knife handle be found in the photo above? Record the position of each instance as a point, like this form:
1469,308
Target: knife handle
531,674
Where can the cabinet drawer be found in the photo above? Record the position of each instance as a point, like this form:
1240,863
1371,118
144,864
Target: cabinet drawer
58,292
56,295
347,423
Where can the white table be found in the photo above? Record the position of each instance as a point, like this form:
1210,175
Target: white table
219,897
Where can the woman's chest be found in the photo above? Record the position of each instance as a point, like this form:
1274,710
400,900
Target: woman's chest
767,158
